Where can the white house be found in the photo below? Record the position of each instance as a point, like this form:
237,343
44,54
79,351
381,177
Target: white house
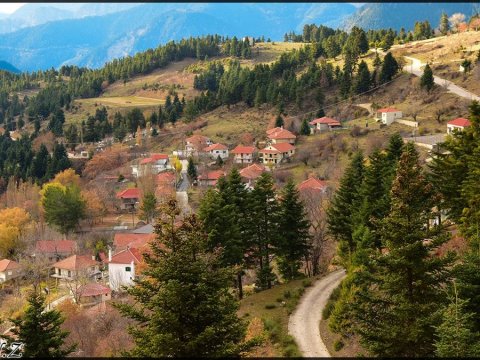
155,164
388,115
243,154
195,145
9,269
276,153
458,124
324,124
122,267
216,150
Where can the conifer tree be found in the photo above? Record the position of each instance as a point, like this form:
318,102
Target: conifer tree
148,208
40,331
389,68
279,121
305,129
293,227
362,81
341,210
183,305
191,170
426,80
444,24
397,309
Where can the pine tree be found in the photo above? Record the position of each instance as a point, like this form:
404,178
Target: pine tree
183,306
263,216
40,330
362,81
305,129
455,335
341,210
293,227
279,121
148,208
191,170
426,80
397,308
389,68
444,26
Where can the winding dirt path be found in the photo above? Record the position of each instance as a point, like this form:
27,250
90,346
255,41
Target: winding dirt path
304,323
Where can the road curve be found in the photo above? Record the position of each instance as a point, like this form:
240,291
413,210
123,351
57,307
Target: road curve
304,323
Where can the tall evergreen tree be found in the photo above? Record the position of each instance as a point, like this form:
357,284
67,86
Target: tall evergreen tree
398,308
183,305
279,121
40,331
426,80
148,208
293,227
191,170
389,68
444,26
362,81
305,129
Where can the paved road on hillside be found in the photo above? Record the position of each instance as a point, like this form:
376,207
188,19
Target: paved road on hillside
304,323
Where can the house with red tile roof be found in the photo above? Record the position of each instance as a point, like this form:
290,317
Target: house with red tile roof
251,173
129,198
210,178
75,267
243,154
324,124
196,144
280,135
388,115
121,241
122,266
93,294
153,164
458,124
312,184
9,270
276,153
55,250
166,178
216,150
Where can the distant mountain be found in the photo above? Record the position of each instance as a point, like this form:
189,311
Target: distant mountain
398,15
93,40
8,67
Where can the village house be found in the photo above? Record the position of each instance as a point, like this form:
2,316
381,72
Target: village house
243,154
154,164
276,153
280,135
129,198
324,124
166,178
210,178
458,124
55,250
76,267
216,150
312,184
93,294
196,144
250,174
122,267
9,270
388,115
122,241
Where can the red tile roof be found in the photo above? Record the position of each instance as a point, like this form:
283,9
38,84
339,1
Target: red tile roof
325,120
121,240
279,133
127,256
197,138
283,147
75,262
55,246
252,172
386,110
6,264
240,149
460,122
312,183
132,193
167,177
215,147
270,151
212,175
159,156
93,289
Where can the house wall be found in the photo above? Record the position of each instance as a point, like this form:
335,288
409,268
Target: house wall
119,276
243,158
279,141
10,274
216,153
451,128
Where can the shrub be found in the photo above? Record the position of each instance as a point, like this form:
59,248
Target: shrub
338,345
306,283
287,294
279,300
270,306
327,310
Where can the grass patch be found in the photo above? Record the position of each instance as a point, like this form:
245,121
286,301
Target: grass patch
338,345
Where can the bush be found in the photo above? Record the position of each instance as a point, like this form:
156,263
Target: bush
306,283
270,306
338,345
327,310
287,294
279,300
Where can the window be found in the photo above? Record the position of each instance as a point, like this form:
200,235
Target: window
9,273
128,268
69,273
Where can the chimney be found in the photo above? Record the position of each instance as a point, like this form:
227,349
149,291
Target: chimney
109,253
93,257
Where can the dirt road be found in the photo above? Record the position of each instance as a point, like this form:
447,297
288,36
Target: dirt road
304,323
